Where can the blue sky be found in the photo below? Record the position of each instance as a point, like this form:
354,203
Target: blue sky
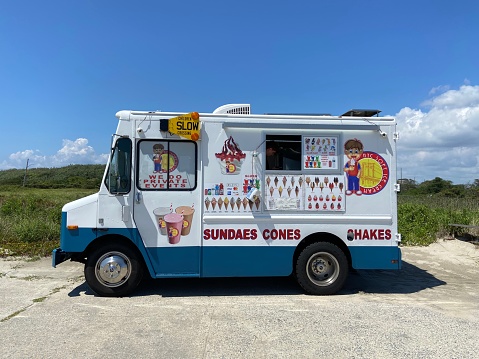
67,67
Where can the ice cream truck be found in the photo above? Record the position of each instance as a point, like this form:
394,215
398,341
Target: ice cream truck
236,194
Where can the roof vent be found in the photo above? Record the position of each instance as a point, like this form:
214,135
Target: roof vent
361,113
234,109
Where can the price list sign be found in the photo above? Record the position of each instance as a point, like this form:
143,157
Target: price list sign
320,152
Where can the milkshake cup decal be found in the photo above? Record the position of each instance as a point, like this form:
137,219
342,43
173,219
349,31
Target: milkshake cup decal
160,213
187,213
174,226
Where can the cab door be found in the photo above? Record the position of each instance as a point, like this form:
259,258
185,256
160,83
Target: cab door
167,196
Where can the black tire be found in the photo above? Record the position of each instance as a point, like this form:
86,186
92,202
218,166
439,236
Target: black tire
321,268
113,270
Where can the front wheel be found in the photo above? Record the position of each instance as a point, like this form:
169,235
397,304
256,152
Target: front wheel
321,268
113,270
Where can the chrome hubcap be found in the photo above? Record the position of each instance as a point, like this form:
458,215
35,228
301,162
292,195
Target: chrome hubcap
113,269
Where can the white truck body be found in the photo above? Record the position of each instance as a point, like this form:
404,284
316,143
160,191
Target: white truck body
207,201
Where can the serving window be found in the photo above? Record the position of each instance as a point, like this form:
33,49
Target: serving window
283,152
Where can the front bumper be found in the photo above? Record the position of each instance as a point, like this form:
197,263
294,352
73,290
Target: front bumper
59,256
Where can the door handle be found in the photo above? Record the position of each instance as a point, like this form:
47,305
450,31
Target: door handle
138,196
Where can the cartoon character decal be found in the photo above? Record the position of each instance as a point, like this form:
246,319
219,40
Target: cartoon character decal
163,161
158,157
353,149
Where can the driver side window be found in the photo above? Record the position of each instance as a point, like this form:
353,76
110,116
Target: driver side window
118,179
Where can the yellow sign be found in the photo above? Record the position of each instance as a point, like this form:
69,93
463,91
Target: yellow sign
187,126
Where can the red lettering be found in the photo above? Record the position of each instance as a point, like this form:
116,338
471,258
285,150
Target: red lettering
254,234
381,234
290,234
274,234
388,234
297,234
206,234
357,234
373,234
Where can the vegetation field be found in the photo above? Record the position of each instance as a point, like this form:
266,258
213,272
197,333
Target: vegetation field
30,219
30,214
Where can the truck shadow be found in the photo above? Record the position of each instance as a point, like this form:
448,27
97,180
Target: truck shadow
410,279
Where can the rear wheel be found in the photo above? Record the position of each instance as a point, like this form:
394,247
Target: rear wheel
113,270
321,268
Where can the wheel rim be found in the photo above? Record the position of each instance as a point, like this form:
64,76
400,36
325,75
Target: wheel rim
113,269
322,269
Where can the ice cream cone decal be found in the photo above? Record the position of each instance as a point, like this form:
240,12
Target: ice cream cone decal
292,181
213,203
276,181
238,203
220,203
300,181
289,191
257,201
280,190
284,181
268,180
245,203
296,191
271,190
232,203
207,203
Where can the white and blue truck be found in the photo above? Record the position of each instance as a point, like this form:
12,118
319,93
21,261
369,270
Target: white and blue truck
236,194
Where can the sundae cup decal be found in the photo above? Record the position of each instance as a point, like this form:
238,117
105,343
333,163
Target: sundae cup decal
231,158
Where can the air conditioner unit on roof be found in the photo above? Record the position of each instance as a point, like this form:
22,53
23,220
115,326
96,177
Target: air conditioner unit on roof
235,109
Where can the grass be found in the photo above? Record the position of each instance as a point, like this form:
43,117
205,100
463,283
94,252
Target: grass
423,219
30,218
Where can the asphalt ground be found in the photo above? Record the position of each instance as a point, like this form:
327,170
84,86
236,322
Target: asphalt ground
429,309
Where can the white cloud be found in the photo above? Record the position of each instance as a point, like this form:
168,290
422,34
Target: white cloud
72,152
442,139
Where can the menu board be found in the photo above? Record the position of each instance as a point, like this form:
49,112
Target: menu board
320,152
320,193
284,192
